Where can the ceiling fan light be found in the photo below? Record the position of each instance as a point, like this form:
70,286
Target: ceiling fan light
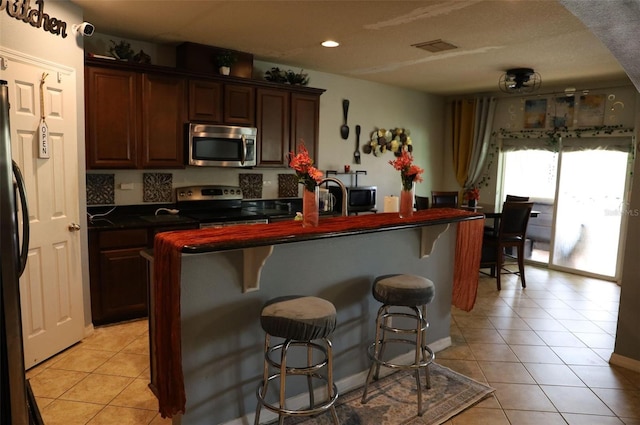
519,80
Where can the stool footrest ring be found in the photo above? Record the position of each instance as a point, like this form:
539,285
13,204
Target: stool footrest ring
421,364
298,370
321,408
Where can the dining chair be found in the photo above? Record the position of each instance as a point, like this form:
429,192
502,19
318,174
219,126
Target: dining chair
443,199
511,233
509,198
514,198
422,202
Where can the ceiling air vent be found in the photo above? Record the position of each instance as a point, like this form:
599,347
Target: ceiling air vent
435,46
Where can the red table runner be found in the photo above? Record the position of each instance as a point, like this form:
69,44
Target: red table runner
168,249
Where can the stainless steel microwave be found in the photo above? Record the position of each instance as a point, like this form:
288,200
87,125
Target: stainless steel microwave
221,145
359,198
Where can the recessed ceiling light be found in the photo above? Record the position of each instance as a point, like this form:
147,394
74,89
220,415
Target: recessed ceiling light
330,43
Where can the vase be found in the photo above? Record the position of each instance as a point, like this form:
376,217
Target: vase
406,202
224,70
472,203
310,207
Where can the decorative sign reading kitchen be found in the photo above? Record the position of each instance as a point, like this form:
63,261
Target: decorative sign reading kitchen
21,10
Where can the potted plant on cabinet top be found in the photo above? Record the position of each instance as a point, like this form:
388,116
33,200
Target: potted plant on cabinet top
224,60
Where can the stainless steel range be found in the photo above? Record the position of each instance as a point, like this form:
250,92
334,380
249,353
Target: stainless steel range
215,206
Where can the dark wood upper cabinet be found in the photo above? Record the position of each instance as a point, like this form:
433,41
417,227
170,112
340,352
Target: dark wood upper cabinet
134,119
285,119
164,114
205,101
305,122
136,114
273,122
112,118
239,105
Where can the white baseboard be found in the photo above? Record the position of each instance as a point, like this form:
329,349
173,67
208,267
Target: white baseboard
344,385
88,330
625,362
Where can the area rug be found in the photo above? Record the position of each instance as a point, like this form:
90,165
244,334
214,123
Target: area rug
393,400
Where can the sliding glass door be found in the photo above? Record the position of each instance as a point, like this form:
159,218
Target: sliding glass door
579,192
589,211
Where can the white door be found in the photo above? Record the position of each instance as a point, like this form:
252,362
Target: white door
51,286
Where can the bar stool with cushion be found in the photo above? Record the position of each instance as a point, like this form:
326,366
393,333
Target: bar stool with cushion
404,301
299,320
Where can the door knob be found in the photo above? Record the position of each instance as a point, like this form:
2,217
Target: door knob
74,227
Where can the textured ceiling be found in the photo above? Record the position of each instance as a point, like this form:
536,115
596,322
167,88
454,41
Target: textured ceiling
377,36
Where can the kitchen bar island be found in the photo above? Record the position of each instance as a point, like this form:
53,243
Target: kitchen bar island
208,287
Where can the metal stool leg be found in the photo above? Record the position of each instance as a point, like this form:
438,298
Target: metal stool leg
376,353
283,378
380,355
265,379
312,402
418,355
425,353
330,389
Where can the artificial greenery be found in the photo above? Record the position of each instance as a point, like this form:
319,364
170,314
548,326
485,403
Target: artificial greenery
226,58
553,136
277,75
300,78
121,50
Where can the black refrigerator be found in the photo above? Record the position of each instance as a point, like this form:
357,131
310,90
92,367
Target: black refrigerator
17,404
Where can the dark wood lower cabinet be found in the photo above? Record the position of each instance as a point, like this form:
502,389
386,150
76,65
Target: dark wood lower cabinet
119,274
123,276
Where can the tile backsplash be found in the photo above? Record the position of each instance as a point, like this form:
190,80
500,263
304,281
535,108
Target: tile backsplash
287,185
251,185
135,187
100,189
157,187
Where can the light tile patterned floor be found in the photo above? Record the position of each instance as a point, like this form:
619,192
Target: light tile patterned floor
100,381
545,349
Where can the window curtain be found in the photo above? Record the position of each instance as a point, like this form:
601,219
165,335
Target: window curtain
463,114
471,130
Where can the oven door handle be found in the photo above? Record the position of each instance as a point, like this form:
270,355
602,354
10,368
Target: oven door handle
244,149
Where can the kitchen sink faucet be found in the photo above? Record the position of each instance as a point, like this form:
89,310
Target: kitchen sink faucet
343,188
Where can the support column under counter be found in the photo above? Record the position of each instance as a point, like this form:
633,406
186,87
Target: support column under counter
221,338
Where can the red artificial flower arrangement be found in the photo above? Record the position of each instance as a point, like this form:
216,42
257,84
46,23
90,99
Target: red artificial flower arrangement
308,175
472,194
409,172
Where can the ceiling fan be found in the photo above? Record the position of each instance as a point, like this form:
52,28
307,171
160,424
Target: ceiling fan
519,80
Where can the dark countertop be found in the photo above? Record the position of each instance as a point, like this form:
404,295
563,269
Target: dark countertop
226,238
139,221
141,216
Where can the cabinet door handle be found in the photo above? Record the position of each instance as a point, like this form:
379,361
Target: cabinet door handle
74,227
